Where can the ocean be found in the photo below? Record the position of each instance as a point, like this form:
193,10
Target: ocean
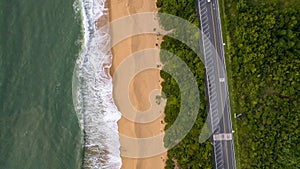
56,109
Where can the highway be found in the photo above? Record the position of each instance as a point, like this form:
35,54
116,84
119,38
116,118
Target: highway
216,84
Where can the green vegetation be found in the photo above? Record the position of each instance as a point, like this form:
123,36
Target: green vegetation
264,53
189,153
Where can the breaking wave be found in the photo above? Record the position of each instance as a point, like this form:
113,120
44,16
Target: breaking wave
92,89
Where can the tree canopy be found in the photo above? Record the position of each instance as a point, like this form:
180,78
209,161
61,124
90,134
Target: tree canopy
265,57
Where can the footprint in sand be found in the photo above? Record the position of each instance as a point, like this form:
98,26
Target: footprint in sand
137,4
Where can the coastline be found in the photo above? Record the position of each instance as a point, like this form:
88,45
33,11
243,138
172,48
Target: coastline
92,90
142,84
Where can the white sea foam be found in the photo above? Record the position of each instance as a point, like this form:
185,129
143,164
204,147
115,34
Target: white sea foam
92,91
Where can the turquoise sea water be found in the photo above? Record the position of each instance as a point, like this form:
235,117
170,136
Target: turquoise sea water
38,125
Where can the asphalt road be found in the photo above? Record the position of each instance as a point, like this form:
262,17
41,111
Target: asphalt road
216,84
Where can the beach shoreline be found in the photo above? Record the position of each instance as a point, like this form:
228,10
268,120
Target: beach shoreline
141,85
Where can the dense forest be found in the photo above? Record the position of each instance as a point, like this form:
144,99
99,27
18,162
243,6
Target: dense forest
189,153
264,51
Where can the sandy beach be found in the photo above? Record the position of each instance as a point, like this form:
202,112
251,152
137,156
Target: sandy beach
141,85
